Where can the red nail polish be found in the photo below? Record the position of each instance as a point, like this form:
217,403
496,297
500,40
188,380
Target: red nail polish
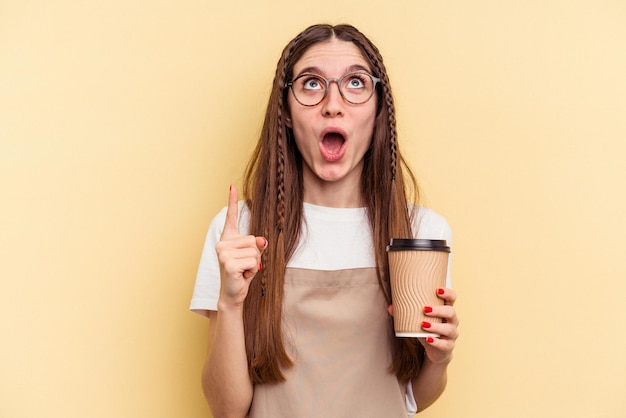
425,324
428,309
260,266
441,291
265,240
230,188
430,340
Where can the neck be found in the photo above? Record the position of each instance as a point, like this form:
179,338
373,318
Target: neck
345,193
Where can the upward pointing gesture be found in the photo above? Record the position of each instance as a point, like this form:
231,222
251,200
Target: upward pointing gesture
239,256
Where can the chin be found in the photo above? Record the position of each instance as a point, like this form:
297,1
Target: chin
331,177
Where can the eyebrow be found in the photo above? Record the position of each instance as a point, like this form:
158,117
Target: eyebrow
350,69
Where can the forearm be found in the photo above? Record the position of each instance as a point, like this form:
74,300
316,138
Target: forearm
430,383
225,379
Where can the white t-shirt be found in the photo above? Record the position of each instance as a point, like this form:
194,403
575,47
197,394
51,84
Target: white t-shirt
332,239
352,248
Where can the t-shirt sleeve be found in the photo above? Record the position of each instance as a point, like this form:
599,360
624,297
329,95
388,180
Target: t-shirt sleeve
207,288
430,225
411,404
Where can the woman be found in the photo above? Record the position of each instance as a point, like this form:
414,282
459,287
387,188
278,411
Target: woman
295,279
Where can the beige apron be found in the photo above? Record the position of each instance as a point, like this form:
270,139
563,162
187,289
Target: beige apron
336,330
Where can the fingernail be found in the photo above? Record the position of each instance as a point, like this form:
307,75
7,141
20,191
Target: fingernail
425,324
265,240
260,266
441,291
430,340
428,309
230,188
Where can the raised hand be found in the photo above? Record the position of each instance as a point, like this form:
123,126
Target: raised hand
239,257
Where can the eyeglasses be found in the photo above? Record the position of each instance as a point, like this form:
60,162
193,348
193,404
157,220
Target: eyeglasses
355,88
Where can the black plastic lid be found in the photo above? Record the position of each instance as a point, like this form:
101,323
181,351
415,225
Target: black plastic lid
401,244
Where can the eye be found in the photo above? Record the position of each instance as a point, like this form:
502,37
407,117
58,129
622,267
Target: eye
312,83
357,81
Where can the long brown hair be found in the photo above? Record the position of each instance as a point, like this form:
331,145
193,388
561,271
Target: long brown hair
273,188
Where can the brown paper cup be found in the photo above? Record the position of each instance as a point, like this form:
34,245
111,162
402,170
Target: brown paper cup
418,267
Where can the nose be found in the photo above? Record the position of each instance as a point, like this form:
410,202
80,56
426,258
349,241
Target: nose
332,105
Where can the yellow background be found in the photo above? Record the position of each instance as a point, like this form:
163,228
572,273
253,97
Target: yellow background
122,123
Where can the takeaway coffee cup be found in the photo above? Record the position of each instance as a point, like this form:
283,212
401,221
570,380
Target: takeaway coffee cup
418,267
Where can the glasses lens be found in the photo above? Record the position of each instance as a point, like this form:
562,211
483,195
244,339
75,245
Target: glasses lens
309,89
357,88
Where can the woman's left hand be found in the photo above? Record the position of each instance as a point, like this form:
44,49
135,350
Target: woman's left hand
439,349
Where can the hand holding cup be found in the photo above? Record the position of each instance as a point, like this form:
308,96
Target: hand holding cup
439,349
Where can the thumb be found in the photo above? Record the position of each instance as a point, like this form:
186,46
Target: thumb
261,243
231,228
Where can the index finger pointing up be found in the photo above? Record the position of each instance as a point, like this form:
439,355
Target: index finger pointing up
232,214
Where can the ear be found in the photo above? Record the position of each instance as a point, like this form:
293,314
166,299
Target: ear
288,121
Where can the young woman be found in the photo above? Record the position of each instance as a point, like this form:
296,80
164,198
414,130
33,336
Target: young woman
295,278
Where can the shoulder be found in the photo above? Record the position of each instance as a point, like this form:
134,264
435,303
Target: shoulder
429,224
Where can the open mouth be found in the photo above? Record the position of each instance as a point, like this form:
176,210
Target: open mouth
332,143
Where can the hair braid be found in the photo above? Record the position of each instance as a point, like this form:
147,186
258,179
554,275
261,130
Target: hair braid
392,129
377,60
407,353
281,151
